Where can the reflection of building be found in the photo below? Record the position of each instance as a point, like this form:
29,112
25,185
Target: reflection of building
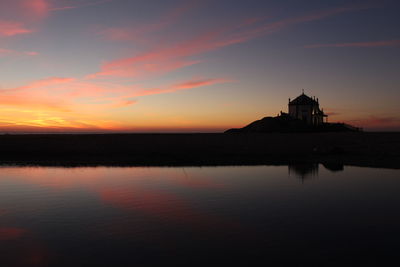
310,170
333,166
304,170
307,109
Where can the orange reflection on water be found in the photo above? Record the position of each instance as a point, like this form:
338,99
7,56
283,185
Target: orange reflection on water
97,178
162,205
162,194
11,233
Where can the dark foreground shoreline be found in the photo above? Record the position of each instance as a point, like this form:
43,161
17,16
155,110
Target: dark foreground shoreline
380,150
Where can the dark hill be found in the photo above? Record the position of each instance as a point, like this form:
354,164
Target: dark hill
287,124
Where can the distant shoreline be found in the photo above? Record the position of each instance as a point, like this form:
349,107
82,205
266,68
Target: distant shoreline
368,149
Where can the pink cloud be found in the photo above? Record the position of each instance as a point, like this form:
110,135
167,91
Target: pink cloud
358,44
9,52
171,57
198,83
5,52
178,87
36,10
164,59
42,83
141,68
39,8
11,28
31,53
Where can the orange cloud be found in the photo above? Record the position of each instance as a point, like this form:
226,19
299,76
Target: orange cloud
45,94
33,96
358,44
125,103
11,28
66,104
198,83
58,125
40,83
33,103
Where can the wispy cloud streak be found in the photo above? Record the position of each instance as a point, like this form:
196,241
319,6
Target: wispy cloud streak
38,103
191,84
198,83
10,52
11,28
76,94
387,43
62,102
79,5
178,55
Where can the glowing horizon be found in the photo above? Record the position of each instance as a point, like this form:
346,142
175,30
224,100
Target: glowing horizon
193,66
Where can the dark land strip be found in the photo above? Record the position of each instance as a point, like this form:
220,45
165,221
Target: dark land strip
380,150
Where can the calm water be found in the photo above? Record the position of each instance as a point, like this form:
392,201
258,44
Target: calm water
304,214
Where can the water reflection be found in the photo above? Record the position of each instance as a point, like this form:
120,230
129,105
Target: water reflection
333,166
305,171
149,216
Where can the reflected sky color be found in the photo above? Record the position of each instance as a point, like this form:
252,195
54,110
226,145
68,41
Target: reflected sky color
194,66
147,216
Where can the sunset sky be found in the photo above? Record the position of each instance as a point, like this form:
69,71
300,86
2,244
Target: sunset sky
195,66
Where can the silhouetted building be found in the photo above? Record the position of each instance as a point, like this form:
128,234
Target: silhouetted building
304,115
307,109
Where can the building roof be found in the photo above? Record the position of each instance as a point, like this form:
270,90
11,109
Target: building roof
303,100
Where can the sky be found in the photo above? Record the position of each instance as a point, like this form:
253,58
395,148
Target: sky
195,65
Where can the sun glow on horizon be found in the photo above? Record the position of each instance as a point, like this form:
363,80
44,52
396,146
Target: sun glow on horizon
164,68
